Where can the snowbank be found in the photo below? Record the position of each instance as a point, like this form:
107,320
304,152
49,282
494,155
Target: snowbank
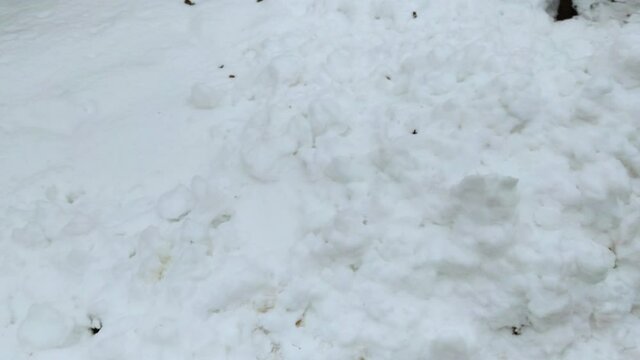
318,180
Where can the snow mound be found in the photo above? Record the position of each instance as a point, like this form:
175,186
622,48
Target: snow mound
44,328
319,179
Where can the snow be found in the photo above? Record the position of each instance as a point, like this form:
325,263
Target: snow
319,179
175,204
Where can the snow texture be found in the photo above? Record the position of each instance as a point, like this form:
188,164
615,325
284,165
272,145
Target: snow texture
319,179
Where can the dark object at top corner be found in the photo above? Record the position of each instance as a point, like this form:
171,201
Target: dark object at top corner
566,10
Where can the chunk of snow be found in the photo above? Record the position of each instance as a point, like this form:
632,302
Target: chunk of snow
175,204
44,328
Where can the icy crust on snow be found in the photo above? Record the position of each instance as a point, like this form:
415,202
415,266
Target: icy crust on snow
318,180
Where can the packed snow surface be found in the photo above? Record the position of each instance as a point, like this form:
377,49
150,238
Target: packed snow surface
319,179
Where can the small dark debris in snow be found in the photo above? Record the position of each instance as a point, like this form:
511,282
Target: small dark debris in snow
388,77
71,198
263,330
221,66
414,132
615,254
299,323
180,217
258,0
219,220
95,327
232,76
516,330
415,15
566,10
189,2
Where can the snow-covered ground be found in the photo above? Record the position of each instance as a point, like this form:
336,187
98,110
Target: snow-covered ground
319,179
